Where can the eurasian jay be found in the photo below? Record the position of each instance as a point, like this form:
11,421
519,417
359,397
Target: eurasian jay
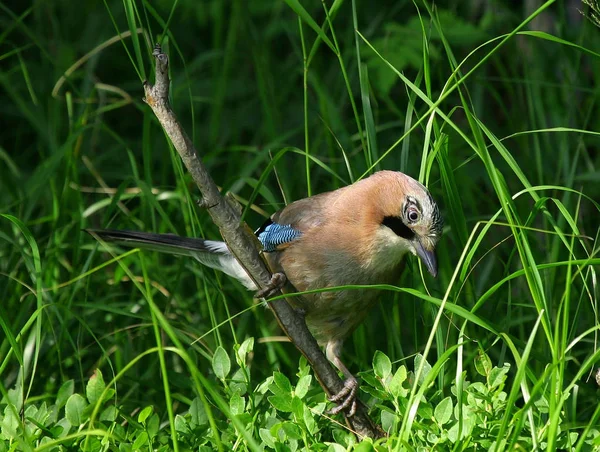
356,235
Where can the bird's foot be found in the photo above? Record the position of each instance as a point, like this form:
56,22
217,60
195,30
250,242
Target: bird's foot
346,398
277,281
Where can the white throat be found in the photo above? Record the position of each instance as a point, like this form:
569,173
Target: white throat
388,250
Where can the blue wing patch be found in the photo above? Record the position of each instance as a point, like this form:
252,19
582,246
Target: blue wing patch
273,235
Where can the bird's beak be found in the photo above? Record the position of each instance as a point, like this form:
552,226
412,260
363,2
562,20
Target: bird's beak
428,258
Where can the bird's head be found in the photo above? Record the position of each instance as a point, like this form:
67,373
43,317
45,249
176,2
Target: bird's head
410,218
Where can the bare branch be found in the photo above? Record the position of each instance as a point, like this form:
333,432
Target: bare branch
243,245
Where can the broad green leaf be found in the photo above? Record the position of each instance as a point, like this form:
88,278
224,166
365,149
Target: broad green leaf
181,424
9,424
395,387
144,414
66,390
297,407
282,382
336,447
303,386
382,366
267,437
153,425
453,433
140,441
109,414
237,404
242,352
426,368
443,411
388,419
239,381
364,446
281,402
41,414
309,420
292,430
483,363
498,375
74,410
95,387
15,397
197,412
221,363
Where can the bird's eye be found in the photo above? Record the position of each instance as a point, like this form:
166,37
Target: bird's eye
413,215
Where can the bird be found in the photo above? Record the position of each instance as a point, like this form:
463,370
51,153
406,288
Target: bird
356,235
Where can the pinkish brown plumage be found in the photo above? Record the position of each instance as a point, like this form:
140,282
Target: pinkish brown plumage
356,235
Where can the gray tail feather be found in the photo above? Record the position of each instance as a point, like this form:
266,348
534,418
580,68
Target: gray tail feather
211,253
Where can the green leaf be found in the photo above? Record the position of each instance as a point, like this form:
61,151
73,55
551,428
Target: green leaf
281,402
371,385
432,437
388,419
152,425
376,392
221,363
498,375
15,397
309,420
141,440
426,368
242,351
239,381
109,414
395,387
364,446
9,424
265,386
74,410
297,407
197,412
335,447
303,386
453,433
292,430
483,363
371,380
443,411
95,387
267,437
237,404
382,365
66,390
282,382
181,424
425,410
144,414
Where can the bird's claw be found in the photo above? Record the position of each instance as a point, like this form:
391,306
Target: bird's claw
277,281
346,398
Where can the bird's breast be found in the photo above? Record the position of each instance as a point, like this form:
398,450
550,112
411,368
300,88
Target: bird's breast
334,314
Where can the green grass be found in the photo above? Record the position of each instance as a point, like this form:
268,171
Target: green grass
494,108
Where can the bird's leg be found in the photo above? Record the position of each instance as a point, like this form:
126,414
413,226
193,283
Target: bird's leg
277,281
346,398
